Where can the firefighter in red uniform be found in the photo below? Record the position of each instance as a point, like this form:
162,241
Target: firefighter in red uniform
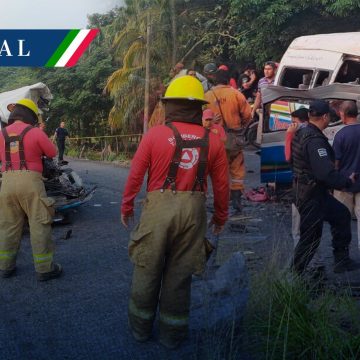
167,246
23,193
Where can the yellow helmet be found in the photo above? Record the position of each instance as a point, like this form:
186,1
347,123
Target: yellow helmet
185,88
27,103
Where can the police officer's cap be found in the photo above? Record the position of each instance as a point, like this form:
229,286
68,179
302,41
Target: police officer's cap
319,108
210,68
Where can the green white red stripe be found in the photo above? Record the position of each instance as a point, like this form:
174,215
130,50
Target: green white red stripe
72,48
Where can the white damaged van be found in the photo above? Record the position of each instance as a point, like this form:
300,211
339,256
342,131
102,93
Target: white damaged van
309,62
317,60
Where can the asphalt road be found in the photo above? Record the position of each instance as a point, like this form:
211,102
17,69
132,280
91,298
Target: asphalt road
83,315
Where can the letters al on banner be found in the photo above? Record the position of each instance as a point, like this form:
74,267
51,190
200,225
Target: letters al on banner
48,48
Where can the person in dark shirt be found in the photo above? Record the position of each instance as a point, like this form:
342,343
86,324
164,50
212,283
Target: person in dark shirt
347,156
60,136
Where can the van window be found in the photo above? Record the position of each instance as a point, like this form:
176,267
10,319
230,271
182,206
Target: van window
323,78
296,78
349,72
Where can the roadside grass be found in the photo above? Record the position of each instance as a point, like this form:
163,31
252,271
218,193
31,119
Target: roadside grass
287,317
220,343
290,318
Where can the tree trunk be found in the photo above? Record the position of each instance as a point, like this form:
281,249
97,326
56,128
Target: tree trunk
173,31
147,76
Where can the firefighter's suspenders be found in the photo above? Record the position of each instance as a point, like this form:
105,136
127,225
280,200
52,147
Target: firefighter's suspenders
181,144
8,141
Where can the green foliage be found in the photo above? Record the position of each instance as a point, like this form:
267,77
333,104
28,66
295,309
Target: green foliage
13,78
270,25
78,98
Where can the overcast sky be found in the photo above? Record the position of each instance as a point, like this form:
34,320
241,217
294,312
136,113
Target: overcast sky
51,14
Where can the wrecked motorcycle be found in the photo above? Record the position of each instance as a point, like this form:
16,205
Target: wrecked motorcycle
65,186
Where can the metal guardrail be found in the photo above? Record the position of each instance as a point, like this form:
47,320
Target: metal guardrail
104,147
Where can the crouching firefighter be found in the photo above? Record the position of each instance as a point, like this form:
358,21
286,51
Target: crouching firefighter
167,246
313,164
22,192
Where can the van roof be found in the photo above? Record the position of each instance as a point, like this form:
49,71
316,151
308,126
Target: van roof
345,43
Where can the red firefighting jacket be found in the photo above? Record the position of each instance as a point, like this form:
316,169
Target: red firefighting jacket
154,156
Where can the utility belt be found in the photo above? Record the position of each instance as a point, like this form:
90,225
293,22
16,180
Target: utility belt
304,187
305,179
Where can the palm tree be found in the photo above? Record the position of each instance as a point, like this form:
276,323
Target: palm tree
126,85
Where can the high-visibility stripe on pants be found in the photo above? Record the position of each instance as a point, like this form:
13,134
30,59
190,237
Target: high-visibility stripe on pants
23,194
174,320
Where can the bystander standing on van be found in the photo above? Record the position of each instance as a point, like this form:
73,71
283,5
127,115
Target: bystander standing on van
347,156
268,79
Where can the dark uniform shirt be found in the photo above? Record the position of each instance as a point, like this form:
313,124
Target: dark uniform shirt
318,158
61,134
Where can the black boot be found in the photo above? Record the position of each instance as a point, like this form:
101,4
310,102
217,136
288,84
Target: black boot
342,261
7,273
235,196
53,274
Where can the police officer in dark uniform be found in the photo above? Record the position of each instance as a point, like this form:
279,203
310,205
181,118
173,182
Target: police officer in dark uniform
60,135
314,176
